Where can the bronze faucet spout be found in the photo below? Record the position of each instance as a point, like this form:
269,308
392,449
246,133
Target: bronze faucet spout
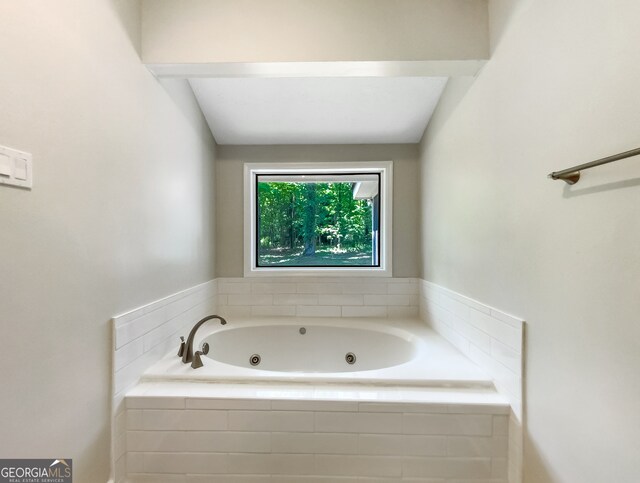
187,355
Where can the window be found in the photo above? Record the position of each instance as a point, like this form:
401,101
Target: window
323,219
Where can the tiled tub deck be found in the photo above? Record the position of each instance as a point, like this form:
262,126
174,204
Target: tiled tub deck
225,433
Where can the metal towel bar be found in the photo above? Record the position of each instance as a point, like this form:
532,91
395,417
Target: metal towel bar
572,175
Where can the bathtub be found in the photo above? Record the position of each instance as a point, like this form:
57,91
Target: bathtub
321,350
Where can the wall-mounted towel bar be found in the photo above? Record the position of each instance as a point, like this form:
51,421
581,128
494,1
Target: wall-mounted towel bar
572,175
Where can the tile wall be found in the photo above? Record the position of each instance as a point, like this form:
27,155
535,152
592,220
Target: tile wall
162,435
492,339
190,440
318,297
142,337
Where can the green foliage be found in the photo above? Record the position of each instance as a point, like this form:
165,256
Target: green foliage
313,216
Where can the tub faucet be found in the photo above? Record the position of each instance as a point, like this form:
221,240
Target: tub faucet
186,348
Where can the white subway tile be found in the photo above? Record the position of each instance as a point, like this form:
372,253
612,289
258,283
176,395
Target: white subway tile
318,311
500,425
389,300
199,441
313,443
140,326
507,319
318,288
420,445
497,329
499,467
162,419
380,444
402,280
456,308
295,299
184,420
249,299
273,310
234,288
402,288
273,288
283,421
135,462
364,289
134,419
338,422
230,311
506,356
447,467
129,374
331,299
299,464
127,353
470,446
119,446
440,314
480,339
349,465
127,317
454,337
363,311
120,422
183,463
163,333
500,446
452,424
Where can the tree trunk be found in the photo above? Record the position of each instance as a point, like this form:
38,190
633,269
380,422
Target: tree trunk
310,220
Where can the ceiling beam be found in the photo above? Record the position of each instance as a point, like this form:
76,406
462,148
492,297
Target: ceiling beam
429,68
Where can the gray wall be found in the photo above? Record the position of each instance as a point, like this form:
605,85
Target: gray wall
562,87
121,214
230,204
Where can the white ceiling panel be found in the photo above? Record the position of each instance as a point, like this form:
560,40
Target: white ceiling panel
354,110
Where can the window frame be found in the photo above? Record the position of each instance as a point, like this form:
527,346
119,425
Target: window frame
382,168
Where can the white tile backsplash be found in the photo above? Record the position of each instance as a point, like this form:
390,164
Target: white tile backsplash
140,338
275,445
495,341
319,297
317,439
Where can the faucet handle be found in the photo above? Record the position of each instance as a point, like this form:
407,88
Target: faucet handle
197,360
182,345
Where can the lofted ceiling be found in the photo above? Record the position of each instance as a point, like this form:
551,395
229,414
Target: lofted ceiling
318,110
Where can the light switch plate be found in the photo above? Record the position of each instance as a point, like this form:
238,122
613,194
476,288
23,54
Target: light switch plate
16,168
5,165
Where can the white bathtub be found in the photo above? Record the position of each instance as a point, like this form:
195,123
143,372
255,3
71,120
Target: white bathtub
389,352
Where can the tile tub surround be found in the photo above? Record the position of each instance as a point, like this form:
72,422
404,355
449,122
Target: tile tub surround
376,297
492,339
143,336
233,433
141,339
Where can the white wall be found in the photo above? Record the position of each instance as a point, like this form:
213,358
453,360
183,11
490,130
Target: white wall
230,186
121,214
562,88
200,31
